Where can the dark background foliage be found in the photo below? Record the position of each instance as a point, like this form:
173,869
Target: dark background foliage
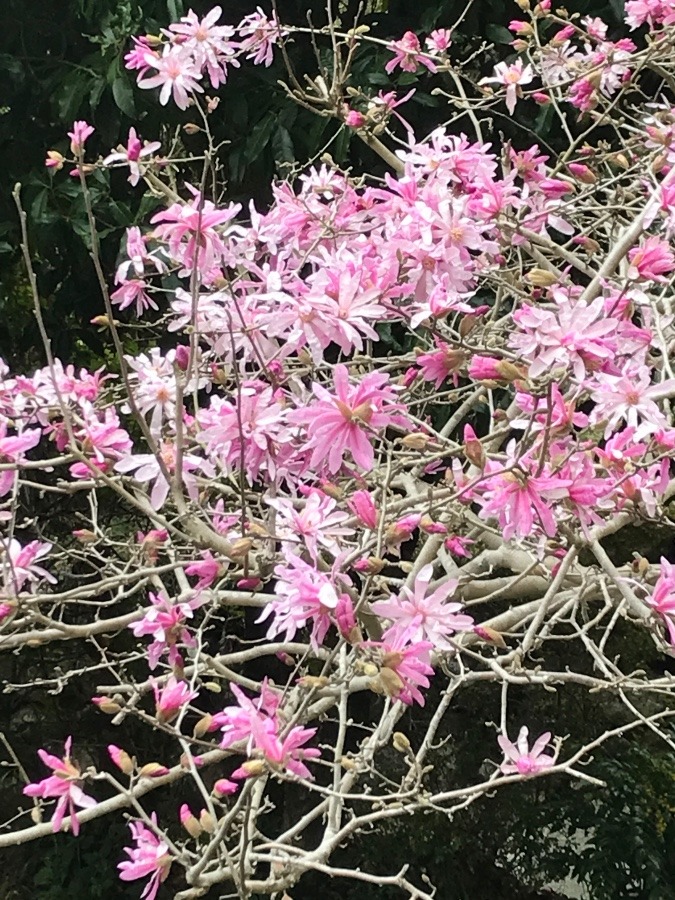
63,60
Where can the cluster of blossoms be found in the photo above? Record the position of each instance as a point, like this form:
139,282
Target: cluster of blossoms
281,464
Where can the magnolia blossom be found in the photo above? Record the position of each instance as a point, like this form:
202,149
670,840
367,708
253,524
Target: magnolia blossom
341,422
630,398
165,621
64,783
408,55
150,857
520,759
260,34
131,155
79,135
177,75
171,698
662,599
427,616
512,77
315,523
302,593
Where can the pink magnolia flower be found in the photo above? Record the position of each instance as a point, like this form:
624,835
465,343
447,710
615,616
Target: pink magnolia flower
439,40
64,783
260,34
574,334
302,593
191,231
177,74
407,662
78,136
512,77
12,449
236,722
426,616
630,398
339,423
287,752
651,260
363,506
316,523
209,43
150,857
662,599
171,698
133,291
136,58
165,621
519,500
520,759
132,155
18,566
408,55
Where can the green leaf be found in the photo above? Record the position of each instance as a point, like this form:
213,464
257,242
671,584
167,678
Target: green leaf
259,137
124,96
498,34
175,9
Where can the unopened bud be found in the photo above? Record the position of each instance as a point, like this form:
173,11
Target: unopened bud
429,526
190,128
401,742
391,682
332,490
373,565
85,536
240,548
207,821
467,325
490,635
153,770
107,706
254,767
121,759
189,822
541,278
370,669
523,4
203,726
415,441
510,372
621,160
313,681
348,764
582,173
213,686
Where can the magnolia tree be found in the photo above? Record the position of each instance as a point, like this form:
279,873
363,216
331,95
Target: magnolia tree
403,521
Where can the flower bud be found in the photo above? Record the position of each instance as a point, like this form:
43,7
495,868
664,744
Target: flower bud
313,681
417,440
107,706
582,173
253,767
207,821
490,635
153,770
191,128
541,278
401,742
224,787
204,725
473,449
121,759
189,822
240,548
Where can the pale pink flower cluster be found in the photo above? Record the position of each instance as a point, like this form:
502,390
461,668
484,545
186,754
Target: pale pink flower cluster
194,47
